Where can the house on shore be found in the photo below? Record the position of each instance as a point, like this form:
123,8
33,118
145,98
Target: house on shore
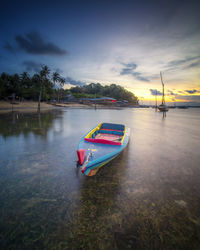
101,100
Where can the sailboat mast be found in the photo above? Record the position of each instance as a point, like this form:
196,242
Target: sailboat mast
163,91
156,100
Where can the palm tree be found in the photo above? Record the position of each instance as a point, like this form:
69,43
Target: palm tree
45,71
55,79
25,84
62,82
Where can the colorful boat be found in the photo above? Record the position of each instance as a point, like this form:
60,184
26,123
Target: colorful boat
100,145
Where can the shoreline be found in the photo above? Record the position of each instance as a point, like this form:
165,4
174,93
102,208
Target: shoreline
6,107
27,106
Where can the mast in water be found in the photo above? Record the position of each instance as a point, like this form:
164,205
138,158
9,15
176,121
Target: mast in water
162,107
163,90
156,105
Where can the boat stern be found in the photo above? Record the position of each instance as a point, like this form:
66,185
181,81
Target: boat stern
81,156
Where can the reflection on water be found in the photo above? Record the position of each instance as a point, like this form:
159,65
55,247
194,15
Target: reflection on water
15,123
164,114
147,198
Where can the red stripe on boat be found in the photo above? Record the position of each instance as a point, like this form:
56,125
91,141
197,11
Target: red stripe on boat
103,141
81,156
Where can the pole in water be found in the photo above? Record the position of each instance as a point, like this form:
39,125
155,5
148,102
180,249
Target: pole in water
156,101
163,93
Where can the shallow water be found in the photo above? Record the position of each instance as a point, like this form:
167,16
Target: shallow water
147,198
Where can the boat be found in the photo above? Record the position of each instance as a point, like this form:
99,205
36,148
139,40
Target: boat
162,107
182,107
101,145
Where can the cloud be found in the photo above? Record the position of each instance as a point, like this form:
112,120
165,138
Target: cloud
171,92
139,77
59,71
195,98
129,69
193,62
33,43
32,66
69,80
193,65
126,71
155,92
8,47
191,91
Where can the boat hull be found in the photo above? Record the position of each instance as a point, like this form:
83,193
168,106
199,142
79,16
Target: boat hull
163,108
99,154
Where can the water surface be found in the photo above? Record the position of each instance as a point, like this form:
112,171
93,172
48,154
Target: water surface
147,198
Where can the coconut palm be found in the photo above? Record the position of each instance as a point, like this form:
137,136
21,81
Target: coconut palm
55,78
61,84
44,73
61,81
25,84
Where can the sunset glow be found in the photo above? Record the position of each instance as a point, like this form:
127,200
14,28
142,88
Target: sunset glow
126,43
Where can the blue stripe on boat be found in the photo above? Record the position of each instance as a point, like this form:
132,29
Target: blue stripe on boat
103,153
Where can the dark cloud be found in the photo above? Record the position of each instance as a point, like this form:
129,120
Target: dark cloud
74,82
193,62
155,92
179,62
33,43
171,92
129,69
193,65
195,98
126,71
32,66
8,47
139,77
191,91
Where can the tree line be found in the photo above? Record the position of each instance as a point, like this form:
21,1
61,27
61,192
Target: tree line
45,86
40,86
98,90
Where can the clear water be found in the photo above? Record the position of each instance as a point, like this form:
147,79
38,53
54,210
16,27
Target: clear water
147,198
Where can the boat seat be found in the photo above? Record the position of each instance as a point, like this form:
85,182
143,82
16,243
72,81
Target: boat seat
113,132
111,126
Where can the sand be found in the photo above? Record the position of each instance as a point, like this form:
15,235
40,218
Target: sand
23,106
32,106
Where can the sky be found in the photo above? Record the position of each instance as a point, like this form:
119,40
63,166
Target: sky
123,42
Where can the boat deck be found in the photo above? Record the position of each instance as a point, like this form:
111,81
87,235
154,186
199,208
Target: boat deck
110,137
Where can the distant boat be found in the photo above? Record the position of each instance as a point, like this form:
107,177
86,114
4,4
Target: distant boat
100,145
162,107
182,107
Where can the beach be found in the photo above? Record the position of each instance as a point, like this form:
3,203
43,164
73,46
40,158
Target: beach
33,106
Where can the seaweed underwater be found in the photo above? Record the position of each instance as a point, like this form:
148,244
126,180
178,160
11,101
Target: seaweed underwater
133,202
